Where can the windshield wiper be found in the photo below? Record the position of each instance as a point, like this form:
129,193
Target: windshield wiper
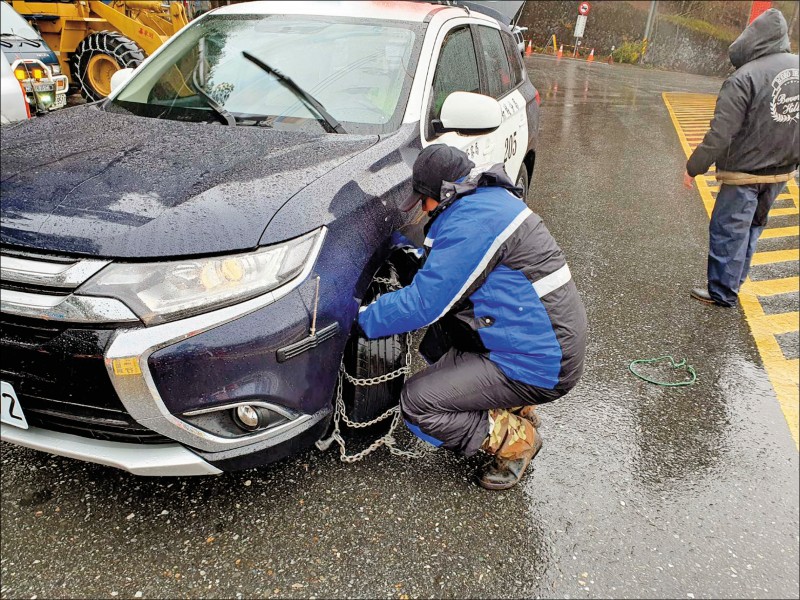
213,104
331,124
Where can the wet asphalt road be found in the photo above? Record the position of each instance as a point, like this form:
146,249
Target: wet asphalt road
639,492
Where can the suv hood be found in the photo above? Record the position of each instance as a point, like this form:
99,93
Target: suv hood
91,182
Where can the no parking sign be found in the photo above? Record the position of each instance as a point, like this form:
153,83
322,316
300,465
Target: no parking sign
580,24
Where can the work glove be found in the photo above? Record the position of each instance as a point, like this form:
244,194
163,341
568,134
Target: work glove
406,258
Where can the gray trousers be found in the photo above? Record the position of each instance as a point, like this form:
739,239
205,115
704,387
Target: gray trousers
449,401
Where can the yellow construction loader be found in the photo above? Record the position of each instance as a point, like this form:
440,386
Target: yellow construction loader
93,39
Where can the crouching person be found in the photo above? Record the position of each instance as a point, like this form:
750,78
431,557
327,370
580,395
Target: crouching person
509,328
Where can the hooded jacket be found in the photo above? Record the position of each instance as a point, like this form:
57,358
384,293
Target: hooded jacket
755,125
493,266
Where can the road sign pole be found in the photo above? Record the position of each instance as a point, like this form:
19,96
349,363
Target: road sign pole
580,26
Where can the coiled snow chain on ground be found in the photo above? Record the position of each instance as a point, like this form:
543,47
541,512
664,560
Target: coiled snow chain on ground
675,365
340,414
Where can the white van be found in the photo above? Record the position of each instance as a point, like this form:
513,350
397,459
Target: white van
13,105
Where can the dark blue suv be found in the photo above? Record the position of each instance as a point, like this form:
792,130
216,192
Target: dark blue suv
183,262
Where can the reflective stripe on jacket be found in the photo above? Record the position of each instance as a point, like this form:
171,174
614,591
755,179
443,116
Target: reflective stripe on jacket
494,267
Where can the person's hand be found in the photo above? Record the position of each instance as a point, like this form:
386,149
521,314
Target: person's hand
688,181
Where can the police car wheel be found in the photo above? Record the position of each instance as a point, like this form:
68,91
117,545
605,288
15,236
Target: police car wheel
522,181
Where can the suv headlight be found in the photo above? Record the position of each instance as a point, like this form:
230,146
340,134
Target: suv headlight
169,290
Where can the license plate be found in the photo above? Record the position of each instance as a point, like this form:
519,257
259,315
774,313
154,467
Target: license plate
61,101
10,410
43,87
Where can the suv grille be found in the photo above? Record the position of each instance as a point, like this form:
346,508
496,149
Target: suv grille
58,372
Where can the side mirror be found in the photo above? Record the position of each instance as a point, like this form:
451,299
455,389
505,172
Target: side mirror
120,77
469,114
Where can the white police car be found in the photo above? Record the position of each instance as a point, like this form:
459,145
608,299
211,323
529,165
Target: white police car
179,285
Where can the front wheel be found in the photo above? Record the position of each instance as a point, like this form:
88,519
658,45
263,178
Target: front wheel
98,57
523,182
371,358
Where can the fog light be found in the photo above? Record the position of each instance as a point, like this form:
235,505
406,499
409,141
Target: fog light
251,418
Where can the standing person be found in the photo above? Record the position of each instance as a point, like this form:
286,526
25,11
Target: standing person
500,292
754,142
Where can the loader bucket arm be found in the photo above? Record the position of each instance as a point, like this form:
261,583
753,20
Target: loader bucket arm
146,37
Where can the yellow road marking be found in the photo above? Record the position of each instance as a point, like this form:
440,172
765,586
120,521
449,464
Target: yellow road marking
783,212
782,323
779,232
775,256
690,112
773,287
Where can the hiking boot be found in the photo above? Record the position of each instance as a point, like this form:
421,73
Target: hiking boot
514,442
529,413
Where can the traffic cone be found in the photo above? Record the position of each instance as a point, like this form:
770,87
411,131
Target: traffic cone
560,51
591,56
529,49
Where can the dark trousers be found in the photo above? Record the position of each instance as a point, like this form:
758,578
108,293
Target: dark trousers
740,214
449,401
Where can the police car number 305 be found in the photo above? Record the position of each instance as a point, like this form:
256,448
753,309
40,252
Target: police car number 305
11,411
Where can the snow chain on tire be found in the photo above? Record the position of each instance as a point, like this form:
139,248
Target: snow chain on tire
123,50
340,414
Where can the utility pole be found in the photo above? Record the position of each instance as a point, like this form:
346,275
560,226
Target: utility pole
648,28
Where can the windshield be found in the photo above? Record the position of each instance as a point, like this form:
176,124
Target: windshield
360,72
13,24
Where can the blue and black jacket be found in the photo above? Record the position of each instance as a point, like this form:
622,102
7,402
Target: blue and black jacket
493,266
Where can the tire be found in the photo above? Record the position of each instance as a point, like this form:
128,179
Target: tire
98,57
365,358
523,182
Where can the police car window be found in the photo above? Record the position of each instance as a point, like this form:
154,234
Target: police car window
359,70
498,70
456,71
514,59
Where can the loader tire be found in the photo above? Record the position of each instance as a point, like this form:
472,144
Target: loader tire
365,358
98,57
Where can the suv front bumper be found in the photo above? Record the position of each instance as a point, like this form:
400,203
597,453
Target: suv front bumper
139,459
173,378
